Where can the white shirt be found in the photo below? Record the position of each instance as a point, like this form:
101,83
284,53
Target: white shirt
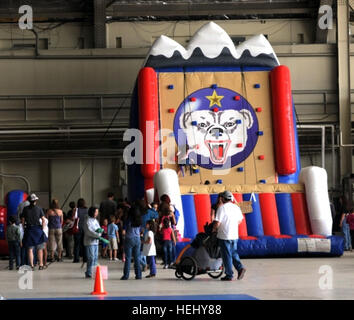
45,226
149,249
229,215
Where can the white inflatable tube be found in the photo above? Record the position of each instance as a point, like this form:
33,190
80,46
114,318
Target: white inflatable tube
315,181
166,182
150,194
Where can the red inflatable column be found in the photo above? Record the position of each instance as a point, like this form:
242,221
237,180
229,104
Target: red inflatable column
283,123
202,210
242,227
4,250
269,214
148,123
301,215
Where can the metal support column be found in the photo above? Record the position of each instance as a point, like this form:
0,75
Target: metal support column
344,86
100,23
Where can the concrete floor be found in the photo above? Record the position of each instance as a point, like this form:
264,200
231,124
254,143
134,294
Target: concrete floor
265,279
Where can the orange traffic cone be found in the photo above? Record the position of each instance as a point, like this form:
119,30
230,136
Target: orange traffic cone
99,287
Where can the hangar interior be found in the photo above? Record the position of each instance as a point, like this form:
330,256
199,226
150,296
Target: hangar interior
67,84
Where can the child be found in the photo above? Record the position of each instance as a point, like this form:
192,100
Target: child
113,238
149,248
350,221
105,236
13,237
168,239
68,233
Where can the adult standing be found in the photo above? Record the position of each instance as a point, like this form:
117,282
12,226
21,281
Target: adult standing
228,217
81,215
344,225
108,207
91,228
21,206
34,237
132,243
55,223
350,221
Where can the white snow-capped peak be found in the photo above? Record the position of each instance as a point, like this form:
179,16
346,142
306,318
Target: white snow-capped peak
211,39
166,46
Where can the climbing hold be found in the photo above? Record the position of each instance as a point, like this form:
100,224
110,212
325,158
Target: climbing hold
170,87
238,121
257,86
193,99
258,109
240,169
171,110
219,181
262,181
214,86
194,123
237,98
260,133
239,145
261,157
216,109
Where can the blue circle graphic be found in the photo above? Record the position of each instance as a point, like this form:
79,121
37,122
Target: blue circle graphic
218,126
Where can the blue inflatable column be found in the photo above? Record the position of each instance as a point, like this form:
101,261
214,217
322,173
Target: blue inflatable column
285,214
190,219
254,219
213,198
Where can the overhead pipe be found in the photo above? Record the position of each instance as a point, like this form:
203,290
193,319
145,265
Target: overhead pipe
341,142
323,141
5,175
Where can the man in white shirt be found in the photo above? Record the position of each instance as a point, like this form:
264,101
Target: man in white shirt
228,217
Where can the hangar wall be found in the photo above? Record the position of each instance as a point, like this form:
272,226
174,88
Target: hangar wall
55,179
69,67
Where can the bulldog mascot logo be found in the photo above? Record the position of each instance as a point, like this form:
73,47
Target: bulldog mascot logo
216,127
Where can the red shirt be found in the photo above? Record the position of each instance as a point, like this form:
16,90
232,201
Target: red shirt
166,233
105,232
350,221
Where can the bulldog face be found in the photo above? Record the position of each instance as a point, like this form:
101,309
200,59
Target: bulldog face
217,133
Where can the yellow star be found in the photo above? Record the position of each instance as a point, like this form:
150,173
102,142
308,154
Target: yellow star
214,99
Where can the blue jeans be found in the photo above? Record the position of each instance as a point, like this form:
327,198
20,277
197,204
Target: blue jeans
79,248
230,256
132,248
347,238
152,264
142,260
24,260
167,251
15,253
92,256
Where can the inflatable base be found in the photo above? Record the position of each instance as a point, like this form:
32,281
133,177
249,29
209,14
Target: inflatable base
291,246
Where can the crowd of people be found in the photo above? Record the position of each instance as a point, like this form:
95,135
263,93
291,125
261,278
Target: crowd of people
122,231
118,231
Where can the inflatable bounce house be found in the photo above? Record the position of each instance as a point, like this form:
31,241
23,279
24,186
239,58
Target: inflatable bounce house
12,200
216,117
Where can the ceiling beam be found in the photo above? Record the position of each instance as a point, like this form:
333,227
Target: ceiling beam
210,9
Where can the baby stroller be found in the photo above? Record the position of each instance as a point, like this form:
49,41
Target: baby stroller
202,256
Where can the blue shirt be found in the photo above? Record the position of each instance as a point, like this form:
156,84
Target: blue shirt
131,232
151,214
111,230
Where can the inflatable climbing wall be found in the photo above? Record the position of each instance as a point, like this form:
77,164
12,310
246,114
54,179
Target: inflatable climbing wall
216,117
